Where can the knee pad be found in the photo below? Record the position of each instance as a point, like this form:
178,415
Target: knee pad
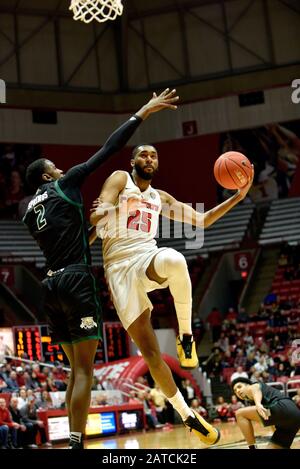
169,262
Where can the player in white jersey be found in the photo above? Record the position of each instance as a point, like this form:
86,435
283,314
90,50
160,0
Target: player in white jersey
134,265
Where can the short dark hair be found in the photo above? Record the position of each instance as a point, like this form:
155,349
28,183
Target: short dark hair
136,149
34,173
240,380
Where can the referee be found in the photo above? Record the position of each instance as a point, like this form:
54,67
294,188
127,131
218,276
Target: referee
55,219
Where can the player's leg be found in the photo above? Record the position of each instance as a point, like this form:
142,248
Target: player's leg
142,333
84,355
244,418
68,349
170,265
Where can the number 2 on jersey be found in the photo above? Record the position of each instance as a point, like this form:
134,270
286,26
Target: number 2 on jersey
41,220
140,221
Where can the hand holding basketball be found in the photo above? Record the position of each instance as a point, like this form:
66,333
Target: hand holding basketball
232,170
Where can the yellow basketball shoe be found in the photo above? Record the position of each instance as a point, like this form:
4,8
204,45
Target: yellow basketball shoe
186,351
202,429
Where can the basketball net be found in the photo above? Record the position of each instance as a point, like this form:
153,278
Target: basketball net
99,10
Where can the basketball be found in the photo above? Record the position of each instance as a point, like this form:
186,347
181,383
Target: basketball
232,170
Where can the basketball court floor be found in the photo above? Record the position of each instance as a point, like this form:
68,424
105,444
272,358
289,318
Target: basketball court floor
179,437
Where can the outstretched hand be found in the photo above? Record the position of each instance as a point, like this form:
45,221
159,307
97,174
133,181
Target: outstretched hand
165,100
244,190
262,411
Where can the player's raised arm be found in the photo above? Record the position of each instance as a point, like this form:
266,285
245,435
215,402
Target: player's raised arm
118,139
179,211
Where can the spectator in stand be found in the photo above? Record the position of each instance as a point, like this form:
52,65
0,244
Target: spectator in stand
29,415
38,375
150,416
6,419
22,399
25,435
223,342
251,360
32,382
159,401
280,371
20,376
240,359
196,405
248,340
3,385
214,319
12,383
271,298
276,346
188,391
45,402
3,436
256,376
239,373
231,314
242,316
222,409
227,360
283,260
234,406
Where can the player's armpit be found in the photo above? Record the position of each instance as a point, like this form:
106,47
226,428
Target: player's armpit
109,195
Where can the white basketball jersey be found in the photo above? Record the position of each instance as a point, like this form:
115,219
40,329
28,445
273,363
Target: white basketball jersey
135,233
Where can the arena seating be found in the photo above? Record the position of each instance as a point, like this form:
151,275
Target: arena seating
282,222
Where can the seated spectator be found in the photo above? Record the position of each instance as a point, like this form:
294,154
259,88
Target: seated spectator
234,406
227,360
222,409
251,360
240,359
223,342
20,376
45,402
271,298
242,316
6,419
3,436
150,416
12,382
159,400
196,405
256,376
239,373
3,385
261,365
22,399
280,371
231,314
29,415
25,435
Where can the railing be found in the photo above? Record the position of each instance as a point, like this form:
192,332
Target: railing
286,387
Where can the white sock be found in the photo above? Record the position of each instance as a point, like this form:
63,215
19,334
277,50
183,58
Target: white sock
75,436
171,265
180,405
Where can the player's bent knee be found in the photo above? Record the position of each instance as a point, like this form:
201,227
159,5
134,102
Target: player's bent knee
239,413
168,262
